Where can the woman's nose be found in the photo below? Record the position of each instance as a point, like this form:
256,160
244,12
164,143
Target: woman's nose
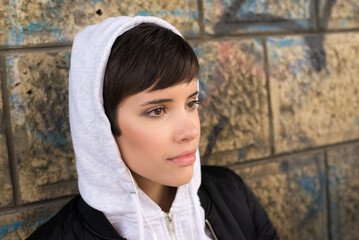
188,127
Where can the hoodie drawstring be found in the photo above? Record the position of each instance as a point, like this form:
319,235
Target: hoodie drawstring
139,217
140,212
190,211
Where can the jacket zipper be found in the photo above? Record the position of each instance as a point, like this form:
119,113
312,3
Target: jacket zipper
169,220
211,229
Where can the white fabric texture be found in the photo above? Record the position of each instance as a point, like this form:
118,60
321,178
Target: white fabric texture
103,178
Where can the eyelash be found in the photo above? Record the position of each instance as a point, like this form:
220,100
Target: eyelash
196,102
148,113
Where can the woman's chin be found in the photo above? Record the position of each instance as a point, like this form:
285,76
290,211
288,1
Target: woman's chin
182,179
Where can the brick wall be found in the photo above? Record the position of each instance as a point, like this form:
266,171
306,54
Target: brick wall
280,91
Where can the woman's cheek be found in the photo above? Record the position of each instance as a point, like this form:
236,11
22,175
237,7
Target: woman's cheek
151,135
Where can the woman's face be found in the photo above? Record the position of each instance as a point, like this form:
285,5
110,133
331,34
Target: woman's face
160,132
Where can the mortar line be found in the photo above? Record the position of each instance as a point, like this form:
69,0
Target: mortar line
270,34
200,17
269,100
270,159
327,192
14,174
38,204
34,49
57,46
317,14
258,161
36,46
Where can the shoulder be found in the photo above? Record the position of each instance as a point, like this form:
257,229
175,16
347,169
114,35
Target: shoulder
216,171
225,196
60,224
221,176
222,185
76,220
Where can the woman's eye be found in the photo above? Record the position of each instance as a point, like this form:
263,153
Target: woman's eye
157,112
193,104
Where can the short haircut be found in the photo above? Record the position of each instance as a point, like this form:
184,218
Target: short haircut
146,56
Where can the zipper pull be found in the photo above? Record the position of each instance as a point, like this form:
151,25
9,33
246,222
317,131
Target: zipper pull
169,219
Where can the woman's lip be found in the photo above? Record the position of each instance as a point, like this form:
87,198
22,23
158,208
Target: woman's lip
183,160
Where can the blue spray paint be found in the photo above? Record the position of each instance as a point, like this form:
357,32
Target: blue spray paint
251,7
9,228
164,13
18,36
356,122
94,2
286,42
10,69
13,99
310,185
143,13
16,225
54,139
68,59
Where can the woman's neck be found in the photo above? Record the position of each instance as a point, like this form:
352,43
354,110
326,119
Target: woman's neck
162,195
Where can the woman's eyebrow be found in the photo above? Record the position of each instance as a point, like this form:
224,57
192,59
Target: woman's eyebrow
157,101
193,94
164,100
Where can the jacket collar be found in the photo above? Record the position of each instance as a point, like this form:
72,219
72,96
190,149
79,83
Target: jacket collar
96,221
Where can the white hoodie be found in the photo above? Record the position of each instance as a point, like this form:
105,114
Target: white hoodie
104,180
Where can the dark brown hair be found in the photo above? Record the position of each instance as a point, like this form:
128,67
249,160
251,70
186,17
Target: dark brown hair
146,56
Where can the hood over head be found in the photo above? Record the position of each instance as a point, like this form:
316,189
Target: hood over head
103,178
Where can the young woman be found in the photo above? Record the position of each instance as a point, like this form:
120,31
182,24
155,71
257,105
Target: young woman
133,98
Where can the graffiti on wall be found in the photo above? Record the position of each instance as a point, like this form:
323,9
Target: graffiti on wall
316,53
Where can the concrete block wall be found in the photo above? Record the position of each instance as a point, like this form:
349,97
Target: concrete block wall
279,88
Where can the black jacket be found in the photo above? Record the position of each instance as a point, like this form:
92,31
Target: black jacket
231,210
